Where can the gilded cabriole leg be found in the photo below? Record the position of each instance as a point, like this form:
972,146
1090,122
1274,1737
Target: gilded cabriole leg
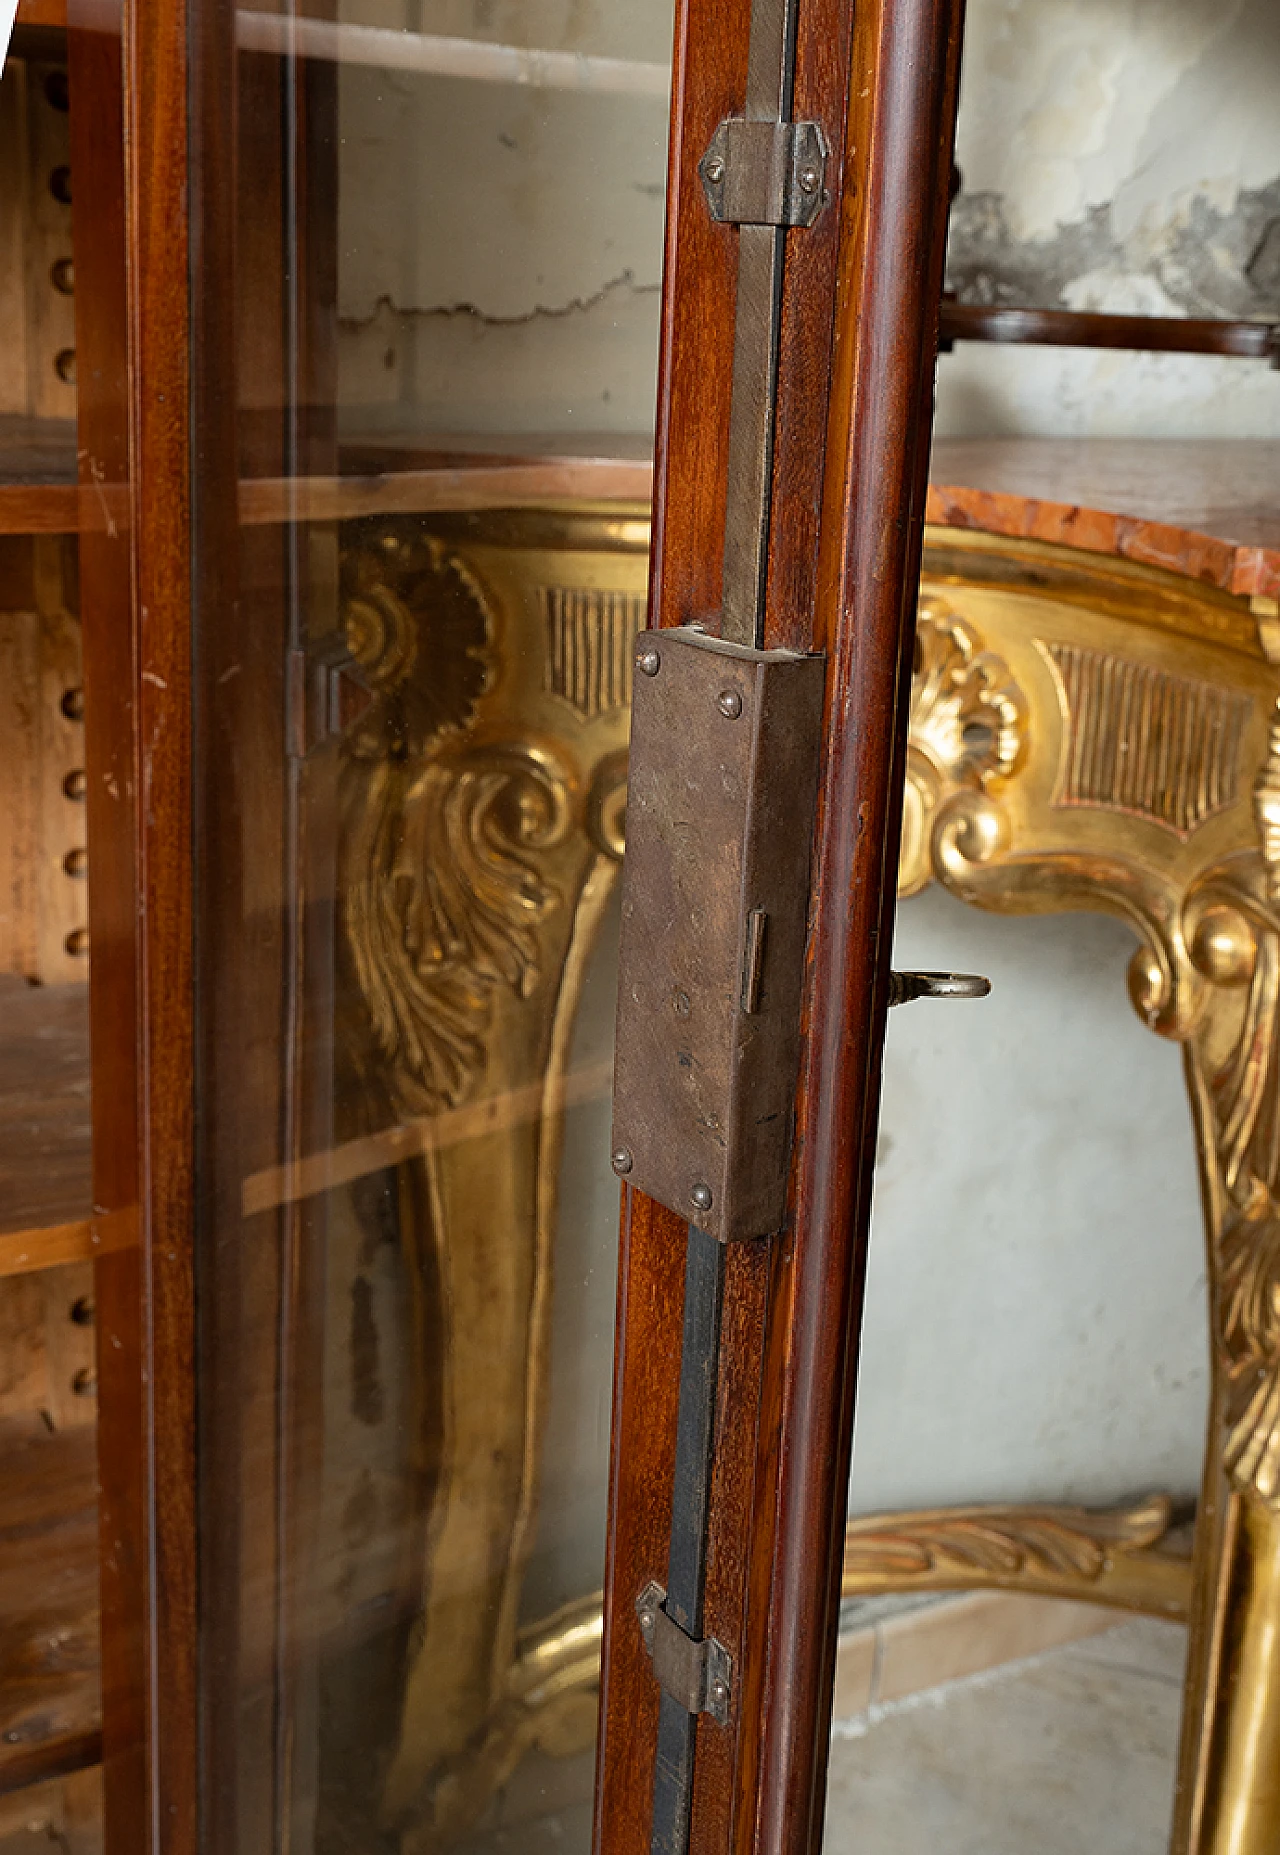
1228,1797
1124,787
482,838
495,1198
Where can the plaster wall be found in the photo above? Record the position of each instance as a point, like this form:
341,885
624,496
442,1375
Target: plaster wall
1117,155
1036,1319
501,245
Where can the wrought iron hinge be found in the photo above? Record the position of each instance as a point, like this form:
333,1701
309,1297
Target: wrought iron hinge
699,1675
765,173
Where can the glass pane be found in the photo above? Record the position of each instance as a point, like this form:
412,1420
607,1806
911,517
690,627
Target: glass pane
448,253
50,1692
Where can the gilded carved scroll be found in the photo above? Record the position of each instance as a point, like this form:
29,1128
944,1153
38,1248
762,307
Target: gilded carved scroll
1129,1556
1149,787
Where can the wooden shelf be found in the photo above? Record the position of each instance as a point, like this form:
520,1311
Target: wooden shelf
469,486
38,493
37,452
39,509
43,13
45,1199
1121,495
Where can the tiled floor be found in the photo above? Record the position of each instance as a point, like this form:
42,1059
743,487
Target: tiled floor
1067,1751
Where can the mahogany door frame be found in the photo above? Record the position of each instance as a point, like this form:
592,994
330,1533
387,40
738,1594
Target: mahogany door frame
128,69
860,296
153,123
154,130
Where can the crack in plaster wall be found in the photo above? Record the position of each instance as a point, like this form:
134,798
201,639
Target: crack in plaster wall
578,305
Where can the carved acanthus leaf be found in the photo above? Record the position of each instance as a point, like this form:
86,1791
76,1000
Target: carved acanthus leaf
443,905
444,893
967,728
1249,1328
1244,1096
1057,1542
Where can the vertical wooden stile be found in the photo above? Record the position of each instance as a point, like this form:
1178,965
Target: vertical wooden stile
854,400
129,88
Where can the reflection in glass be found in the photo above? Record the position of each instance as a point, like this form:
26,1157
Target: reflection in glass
416,724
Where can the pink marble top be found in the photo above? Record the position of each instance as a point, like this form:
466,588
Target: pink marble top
1208,508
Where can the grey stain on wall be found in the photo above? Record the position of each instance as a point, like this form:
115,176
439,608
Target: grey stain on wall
1205,260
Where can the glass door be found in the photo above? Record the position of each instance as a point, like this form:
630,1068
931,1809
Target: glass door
412,694
384,305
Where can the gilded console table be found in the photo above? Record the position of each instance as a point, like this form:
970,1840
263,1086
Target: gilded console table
1093,726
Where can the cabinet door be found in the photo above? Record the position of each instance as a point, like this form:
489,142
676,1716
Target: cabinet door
791,453
383,328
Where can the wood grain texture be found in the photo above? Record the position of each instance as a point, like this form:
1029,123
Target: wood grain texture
46,1246
37,365
49,1700
1078,328
903,85
650,1312
19,799
65,1811
44,1105
42,810
98,232
158,191
39,509
694,380
130,233
43,13
695,356
845,536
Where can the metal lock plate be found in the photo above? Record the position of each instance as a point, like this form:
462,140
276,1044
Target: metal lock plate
723,781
